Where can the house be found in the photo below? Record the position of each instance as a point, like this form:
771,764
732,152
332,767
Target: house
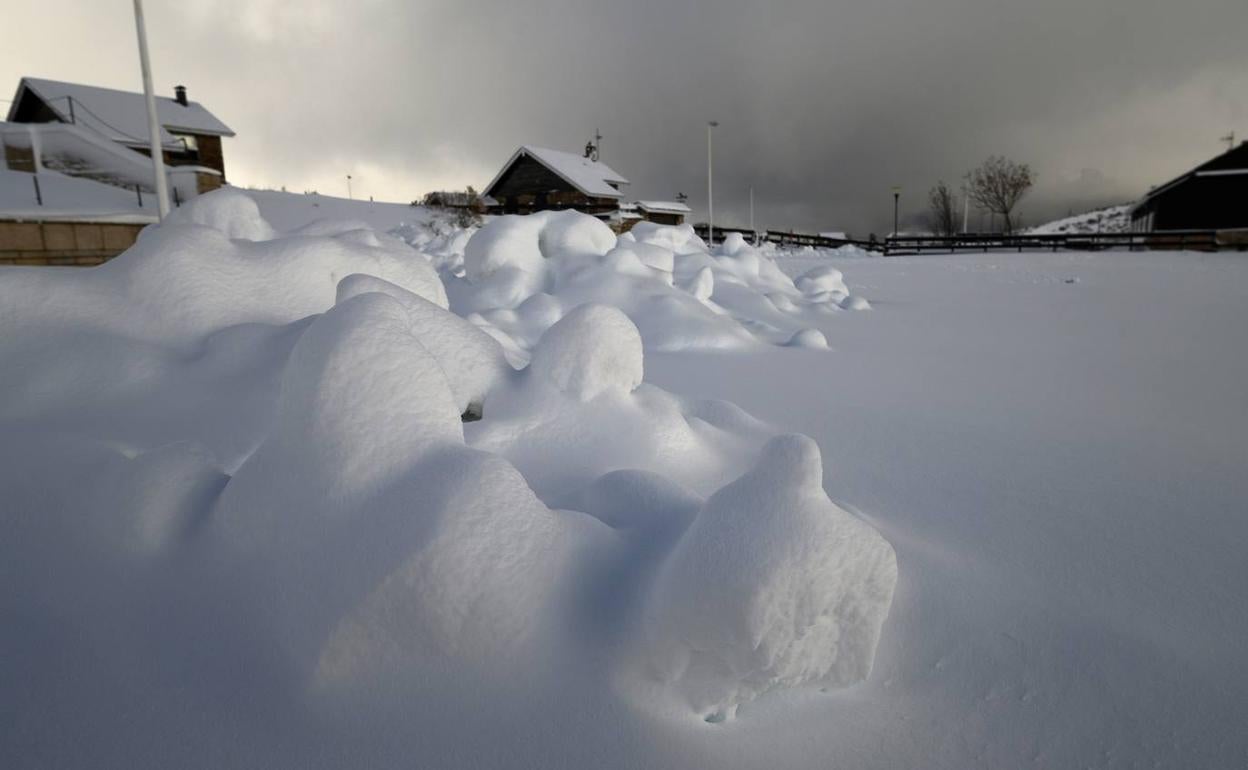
663,212
1212,196
539,179
189,133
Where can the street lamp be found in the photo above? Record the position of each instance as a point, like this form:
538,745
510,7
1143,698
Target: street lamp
349,188
710,189
896,207
153,126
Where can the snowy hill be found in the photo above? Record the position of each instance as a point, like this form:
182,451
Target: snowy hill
1113,219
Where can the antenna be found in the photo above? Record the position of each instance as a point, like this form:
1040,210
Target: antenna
1230,140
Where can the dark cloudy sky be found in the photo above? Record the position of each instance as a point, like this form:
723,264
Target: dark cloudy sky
823,105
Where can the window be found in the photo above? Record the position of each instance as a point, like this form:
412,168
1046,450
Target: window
189,142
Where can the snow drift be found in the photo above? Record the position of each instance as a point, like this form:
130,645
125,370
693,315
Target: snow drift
521,274
270,469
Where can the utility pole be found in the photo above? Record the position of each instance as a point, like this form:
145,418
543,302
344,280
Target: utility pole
710,188
153,125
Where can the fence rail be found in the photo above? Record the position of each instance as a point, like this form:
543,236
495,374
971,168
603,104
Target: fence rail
786,239
1171,240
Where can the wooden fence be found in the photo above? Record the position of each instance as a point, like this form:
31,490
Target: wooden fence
1171,240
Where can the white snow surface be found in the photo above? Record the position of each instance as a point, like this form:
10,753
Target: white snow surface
521,274
1113,219
244,522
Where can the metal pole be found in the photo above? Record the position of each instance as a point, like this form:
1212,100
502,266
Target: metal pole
896,208
966,212
753,230
153,126
710,188
38,193
349,197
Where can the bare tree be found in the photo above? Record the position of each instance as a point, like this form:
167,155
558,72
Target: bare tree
940,210
998,185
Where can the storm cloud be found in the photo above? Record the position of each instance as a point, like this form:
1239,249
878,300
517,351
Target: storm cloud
823,106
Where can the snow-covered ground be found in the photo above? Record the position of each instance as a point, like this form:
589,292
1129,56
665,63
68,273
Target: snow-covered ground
244,524
1114,219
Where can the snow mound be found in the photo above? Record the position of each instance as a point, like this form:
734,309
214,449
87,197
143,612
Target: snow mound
771,586
593,349
276,492
680,294
232,213
808,338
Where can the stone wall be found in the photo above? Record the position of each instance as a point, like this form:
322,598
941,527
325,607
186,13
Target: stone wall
64,243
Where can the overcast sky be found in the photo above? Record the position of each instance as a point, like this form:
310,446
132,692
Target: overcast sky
823,105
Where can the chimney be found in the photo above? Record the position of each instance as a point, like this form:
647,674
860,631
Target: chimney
179,95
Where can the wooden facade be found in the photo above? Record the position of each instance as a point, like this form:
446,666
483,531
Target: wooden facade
527,186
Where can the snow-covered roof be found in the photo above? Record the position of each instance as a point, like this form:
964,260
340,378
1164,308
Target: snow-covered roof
591,177
120,115
666,207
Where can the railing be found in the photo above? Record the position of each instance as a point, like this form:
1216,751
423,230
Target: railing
1170,240
1178,240
785,239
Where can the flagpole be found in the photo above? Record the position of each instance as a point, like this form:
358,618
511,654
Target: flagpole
153,125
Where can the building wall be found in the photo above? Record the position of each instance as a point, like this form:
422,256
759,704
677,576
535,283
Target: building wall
662,218
64,243
210,154
1202,203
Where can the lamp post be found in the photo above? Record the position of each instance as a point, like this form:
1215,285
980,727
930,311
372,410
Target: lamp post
153,126
896,208
349,197
710,188
752,229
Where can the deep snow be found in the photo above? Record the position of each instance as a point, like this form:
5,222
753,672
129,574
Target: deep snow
245,525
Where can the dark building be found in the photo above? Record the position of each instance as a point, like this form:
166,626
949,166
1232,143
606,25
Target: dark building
1212,196
538,179
189,133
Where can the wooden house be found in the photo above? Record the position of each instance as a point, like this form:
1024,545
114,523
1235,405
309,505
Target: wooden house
663,212
189,133
1212,196
539,179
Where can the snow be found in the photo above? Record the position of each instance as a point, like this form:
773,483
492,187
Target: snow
667,207
1114,219
277,516
122,115
70,198
771,586
520,274
594,349
998,521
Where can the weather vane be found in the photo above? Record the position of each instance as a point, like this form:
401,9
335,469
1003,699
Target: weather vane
592,148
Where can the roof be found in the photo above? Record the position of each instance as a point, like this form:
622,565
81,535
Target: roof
591,177
667,207
1223,165
120,115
